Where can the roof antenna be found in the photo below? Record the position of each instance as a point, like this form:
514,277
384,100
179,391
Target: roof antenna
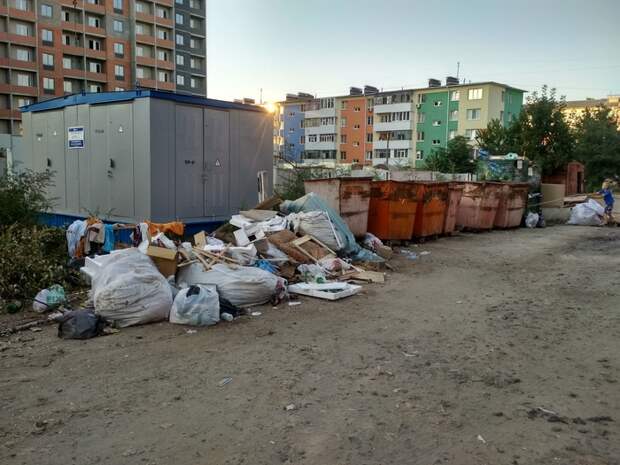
458,68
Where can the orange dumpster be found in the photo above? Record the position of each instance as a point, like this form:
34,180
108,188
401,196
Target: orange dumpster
455,193
512,203
392,209
431,210
349,196
478,205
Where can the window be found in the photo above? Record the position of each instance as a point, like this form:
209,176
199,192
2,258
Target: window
119,49
343,139
179,2
181,82
163,76
67,86
193,63
312,138
119,72
118,5
343,105
369,120
93,21
140,7
140,28
356,144
94,88
65,16
21,5
163,34
46,11
193,83
22,54
302,140
437,122
471,134
421,98
66,63
473,114
437,103
94,67
140,72
501,117
22,29
23,101
475,94
193,23
117,26
421,118
356,126
357,109
193,43
24,79
419,155
343,155
48,60
343,122
178,18
455,95
119,89
162,55
180,60
420,136
94,44
48,84
139,50
327,137
47,36
436,142
369,155
161,13
454,115
180,39
369,137
503,92
401,153
452,134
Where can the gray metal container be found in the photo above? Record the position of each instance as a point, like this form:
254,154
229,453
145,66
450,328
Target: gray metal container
152,155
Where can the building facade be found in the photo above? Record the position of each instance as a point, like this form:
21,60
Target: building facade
289,132
50,48
398,127
576,108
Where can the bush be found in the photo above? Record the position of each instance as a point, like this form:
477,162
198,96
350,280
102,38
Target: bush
23,197
32,258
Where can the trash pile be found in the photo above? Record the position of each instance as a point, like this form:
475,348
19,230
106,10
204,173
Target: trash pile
259,256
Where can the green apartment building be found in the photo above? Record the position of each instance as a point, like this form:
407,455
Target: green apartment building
443,112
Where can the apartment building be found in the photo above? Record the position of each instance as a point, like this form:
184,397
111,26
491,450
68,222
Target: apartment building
576,108
50,48
399,127
289,132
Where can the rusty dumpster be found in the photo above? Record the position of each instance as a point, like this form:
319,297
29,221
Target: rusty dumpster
431,209
392,209
455,193
349,196
478,205
512,203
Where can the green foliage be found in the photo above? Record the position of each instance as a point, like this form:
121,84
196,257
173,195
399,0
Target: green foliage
498,139
22,197
32,258
453,159
542,133
597,145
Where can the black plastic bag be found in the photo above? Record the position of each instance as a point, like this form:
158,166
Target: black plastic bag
80,324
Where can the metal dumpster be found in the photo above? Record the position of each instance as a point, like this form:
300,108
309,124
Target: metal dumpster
478,205
392,209
512,203
349,196
431,209
455,193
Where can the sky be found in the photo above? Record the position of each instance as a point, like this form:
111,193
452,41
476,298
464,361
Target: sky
325,46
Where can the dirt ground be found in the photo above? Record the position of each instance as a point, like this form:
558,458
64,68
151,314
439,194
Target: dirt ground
497,348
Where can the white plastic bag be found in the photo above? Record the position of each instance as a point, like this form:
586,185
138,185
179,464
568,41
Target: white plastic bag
129,290
197,305
589,213
531,220
318,225
242,286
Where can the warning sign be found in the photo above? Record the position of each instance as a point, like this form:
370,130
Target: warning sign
75,137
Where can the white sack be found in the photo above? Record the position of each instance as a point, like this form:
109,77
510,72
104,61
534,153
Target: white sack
129,290
200,308
589,213
316,224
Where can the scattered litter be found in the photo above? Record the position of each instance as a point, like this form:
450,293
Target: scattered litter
327,291
224,381
590,213
410,254
80,324
293,303
290,407
49,299
35,329
191,331
415,354
481,439
256,313
531,220
425,252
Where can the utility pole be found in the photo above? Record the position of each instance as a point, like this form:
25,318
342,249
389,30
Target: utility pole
458,68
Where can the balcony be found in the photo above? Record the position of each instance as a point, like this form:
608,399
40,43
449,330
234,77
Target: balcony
72,50
19,64
148,83
15,89
145,17
71,26
393,144
166,85
145,39
325,129
95,31
146,61
18,14
164,21
18,39
402,125
99,54
97,77
163,43
320,113
393,107
165,64
164,2
320,145
93,8
6,113
74,73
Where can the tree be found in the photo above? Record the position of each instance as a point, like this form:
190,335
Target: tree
597,144
453,159
498,139
542,133
23,197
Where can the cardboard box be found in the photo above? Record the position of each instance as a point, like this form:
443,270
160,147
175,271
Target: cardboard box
165,259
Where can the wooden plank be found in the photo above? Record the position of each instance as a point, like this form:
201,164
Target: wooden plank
370,276
200,239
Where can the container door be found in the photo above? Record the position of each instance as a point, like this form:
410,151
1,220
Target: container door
99,183
120,159
189,162
217,162
55,145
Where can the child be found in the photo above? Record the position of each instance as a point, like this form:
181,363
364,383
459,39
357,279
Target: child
608,197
